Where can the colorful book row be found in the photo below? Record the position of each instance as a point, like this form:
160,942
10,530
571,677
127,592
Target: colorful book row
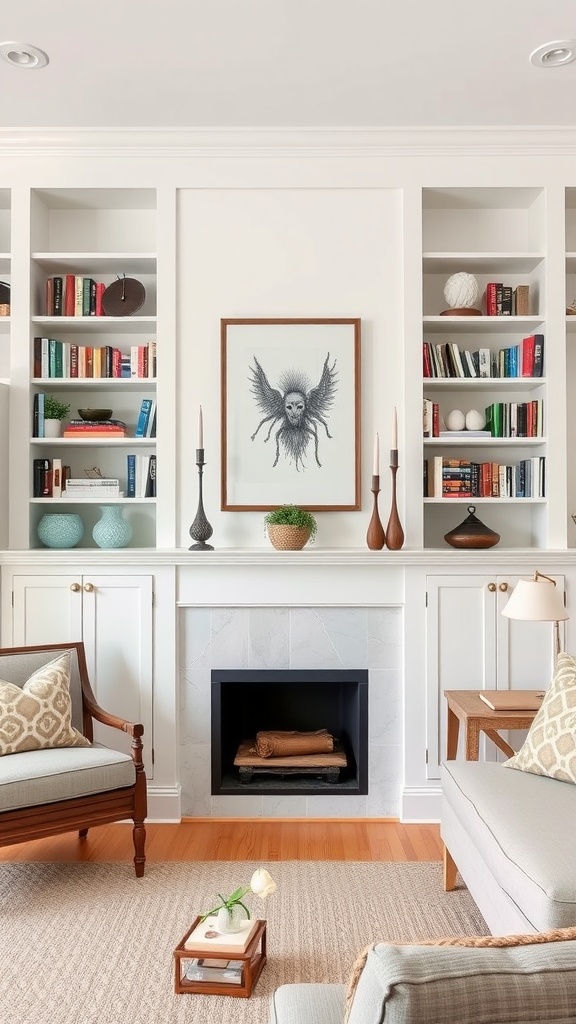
50,477
448,360
72,295
515,419
63,359
503,300
461,478
141,476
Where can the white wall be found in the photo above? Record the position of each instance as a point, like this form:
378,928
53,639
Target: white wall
285,253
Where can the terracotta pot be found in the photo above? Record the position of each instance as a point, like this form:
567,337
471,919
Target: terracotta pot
288,538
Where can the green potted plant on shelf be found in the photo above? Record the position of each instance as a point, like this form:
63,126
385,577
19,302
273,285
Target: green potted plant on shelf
54,412
290,528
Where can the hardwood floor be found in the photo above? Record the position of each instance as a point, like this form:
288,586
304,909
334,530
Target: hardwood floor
215,839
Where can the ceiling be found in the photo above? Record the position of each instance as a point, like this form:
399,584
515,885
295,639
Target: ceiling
287,64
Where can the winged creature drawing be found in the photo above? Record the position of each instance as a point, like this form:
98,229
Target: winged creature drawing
295,409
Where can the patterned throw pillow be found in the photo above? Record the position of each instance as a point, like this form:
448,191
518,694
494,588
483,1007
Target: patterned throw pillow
550,746
38,714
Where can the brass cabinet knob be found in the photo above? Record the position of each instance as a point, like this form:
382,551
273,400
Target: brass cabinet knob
503,587
74,587
491,587
88,587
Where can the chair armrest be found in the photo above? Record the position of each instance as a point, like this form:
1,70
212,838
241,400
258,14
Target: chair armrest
93,711
107,718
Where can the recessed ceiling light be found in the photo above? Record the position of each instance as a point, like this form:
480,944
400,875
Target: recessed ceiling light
554,55
23,55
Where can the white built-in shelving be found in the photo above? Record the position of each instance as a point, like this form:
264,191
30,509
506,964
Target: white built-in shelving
104,234
496,234
5,277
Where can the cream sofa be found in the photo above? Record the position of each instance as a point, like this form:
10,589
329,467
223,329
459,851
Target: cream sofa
512,836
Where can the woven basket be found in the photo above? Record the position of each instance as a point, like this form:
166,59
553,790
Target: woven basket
288,538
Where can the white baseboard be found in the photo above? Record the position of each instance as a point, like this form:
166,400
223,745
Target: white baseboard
164,803
419,803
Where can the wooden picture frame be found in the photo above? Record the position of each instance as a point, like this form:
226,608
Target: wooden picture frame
290,414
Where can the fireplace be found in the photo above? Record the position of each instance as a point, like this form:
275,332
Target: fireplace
245,702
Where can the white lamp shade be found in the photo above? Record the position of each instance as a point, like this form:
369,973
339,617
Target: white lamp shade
536,601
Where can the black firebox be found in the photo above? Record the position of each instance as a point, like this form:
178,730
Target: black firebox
246,701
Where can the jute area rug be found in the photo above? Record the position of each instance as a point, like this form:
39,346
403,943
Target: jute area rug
83,943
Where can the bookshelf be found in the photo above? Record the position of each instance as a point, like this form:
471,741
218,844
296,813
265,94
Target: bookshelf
5,276
83,233
496,234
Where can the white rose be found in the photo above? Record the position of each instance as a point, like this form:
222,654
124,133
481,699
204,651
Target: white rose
262,883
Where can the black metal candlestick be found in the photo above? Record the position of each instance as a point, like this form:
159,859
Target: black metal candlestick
375,537
200,531
394,531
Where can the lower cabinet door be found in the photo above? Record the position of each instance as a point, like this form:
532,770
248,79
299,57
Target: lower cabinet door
470,645
112,614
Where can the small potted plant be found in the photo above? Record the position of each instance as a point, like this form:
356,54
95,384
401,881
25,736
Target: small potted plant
54,412
290,528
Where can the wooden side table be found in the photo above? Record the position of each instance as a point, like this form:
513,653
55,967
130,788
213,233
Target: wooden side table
253,959
466,707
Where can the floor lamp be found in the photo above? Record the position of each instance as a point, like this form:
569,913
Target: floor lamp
538,600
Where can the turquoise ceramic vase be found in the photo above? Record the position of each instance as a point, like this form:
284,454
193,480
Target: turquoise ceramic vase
112,530
60,530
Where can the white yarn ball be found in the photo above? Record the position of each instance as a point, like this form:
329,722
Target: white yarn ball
461,290
455,420
475,420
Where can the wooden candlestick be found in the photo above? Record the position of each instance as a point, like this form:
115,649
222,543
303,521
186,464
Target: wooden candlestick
394,531
375,537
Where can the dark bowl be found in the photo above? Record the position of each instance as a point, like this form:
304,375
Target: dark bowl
95,414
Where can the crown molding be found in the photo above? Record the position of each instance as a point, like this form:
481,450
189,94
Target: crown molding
271,142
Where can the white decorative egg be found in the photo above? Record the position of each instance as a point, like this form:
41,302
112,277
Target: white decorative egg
461,290
455,420
475,420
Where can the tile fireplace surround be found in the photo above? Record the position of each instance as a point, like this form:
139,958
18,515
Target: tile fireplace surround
266,637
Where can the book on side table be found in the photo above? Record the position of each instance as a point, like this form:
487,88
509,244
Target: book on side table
512,700
209,962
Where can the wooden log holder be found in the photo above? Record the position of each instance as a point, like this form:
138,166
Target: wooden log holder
328,764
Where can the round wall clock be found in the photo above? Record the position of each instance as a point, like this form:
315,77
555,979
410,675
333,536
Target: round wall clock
123,297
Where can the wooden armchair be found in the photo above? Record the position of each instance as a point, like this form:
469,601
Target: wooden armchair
48,791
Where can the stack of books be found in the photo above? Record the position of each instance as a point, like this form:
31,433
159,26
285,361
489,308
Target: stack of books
95,428
210,970
94,488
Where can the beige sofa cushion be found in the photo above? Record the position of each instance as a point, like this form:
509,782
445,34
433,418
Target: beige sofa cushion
550,746
38,714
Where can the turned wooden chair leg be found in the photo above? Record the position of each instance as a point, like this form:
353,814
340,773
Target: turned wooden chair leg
82,833
139,836
450,871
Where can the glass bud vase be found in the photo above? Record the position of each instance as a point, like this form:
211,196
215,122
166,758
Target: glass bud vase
112,530
231,920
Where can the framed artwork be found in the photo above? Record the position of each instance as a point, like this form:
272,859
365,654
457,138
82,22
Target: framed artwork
290,414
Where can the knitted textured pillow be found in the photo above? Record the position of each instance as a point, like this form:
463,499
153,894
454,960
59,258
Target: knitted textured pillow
550,746
38,714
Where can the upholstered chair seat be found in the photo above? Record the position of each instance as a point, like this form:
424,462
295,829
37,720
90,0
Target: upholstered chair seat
53,776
